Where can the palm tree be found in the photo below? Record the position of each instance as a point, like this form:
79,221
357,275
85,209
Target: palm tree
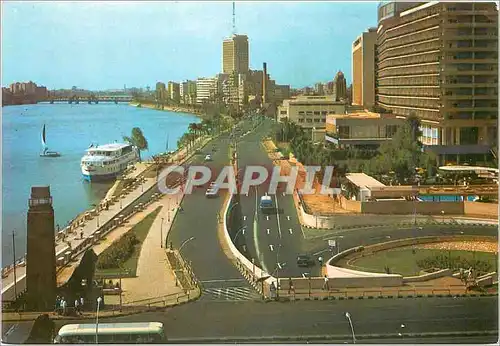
137,139
193,127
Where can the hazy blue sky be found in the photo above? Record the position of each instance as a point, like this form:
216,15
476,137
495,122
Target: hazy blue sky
101,45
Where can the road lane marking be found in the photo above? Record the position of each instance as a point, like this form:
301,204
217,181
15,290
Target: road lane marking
290,230
244,218
247,194
267,217
267,230
283,194
279,265
243,231
271,247
278,218
224,280
320,252
244,248
288,218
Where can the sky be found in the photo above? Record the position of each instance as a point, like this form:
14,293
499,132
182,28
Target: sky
109,44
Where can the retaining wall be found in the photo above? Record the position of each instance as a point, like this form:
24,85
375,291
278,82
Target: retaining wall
429,276
489,210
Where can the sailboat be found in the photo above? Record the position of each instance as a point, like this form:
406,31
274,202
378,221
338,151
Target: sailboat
46,152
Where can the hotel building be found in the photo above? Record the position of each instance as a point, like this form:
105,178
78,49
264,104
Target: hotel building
439,61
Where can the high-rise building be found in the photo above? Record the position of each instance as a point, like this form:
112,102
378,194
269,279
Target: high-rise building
363,68
174,92
41,253
188,92
235,54
439,61
339,87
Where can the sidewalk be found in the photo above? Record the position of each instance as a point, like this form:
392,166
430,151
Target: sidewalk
154,275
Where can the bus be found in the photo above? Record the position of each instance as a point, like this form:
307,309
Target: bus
112,333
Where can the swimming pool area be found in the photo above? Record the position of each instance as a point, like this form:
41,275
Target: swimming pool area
446,198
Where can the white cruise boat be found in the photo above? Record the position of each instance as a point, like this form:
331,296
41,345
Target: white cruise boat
107,161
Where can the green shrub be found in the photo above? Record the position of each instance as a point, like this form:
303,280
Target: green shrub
444,261
115,255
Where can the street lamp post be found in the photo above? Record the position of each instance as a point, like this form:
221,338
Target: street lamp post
99,300
161,233
14,263
97,213
184,243
242,229
348,316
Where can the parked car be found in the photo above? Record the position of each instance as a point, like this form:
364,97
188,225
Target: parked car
305,261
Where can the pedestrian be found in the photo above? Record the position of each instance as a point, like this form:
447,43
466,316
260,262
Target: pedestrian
290,286
320,260
272,288
81,235
63,306
325,285
77,310
58,301
82,301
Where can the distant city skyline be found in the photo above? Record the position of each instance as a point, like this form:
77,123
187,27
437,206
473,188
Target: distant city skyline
104,45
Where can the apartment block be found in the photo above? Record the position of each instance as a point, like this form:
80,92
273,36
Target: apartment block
174,92
206,89
188,92
235,56
363,68
439,61
310,111
319,89
161,91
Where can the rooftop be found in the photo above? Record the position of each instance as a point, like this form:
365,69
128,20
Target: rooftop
109,147
363,180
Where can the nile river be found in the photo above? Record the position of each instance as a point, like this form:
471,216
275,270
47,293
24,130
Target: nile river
70,129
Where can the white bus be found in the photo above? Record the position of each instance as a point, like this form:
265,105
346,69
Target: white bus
112,333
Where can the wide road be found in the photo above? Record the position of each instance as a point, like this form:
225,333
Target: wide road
219,278
209,320
272,240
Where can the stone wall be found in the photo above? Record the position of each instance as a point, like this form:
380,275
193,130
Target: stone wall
409,207
489,210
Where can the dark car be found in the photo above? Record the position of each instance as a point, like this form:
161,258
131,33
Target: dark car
305,261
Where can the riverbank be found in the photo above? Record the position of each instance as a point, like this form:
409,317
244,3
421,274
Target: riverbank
176,109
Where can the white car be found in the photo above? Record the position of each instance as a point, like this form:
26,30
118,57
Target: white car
208,158
211,193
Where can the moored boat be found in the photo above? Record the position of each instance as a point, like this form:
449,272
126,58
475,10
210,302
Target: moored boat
106,162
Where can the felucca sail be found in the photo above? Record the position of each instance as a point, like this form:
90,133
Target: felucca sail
43,137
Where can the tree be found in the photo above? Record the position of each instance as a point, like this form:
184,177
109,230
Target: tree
137,139
414,123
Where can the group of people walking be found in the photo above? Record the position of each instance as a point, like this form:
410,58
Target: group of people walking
63,307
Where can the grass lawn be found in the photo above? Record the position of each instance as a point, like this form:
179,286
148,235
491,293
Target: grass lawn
403,261
141,230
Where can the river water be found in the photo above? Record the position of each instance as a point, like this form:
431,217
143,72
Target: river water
70,129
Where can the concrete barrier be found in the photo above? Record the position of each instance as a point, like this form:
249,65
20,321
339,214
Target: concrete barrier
428,276
247,265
